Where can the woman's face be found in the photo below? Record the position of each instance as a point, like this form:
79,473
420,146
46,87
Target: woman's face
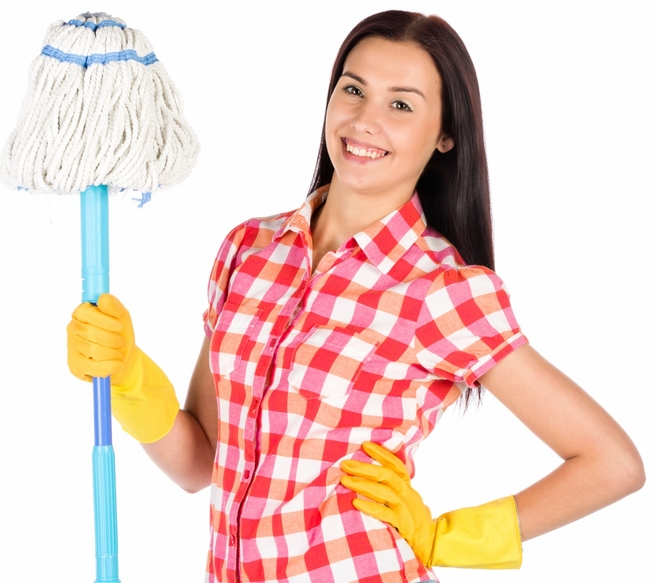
384,118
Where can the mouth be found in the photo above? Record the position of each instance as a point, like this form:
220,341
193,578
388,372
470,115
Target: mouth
363,150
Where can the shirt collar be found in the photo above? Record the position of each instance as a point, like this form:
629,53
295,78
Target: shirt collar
300,220
384,242
387,240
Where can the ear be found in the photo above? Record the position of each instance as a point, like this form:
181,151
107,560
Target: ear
444,144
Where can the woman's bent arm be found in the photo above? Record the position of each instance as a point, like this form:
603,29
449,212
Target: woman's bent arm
601,463
186,453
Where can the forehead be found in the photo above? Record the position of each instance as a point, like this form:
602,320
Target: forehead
395,63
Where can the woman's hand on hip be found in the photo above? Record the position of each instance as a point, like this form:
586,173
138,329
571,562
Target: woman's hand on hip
391,497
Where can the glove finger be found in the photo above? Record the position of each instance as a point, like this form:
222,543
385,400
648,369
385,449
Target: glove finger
89,314
375,473
110,305
86,369
379,492
91,333
367,470
95,352
386,458
378,511
77,372
107,368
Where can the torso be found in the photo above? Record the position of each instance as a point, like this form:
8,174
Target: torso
308,366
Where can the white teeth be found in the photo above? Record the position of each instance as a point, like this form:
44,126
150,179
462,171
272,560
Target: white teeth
363,152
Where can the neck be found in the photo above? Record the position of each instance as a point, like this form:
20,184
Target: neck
346,213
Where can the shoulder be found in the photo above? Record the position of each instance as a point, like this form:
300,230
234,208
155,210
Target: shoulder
258,232
451,271
477,278
242,241
246,238
455,285
467,288
439,249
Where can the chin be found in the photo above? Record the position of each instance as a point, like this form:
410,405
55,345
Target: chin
360,185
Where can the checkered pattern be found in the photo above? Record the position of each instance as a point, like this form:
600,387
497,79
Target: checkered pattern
387,332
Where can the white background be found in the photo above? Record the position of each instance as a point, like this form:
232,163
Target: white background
568,95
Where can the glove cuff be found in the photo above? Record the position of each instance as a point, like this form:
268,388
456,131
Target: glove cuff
145,403
482,537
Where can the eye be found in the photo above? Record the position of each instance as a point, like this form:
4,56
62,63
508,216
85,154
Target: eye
401,105
353,90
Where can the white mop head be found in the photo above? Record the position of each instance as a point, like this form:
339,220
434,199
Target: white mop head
100,109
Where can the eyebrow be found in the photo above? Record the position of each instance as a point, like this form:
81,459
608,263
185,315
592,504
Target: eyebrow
393,89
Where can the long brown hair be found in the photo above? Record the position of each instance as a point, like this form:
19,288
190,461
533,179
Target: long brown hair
453,188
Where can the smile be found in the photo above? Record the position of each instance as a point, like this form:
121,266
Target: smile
363,151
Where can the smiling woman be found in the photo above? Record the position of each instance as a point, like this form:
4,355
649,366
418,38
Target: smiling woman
422,57
383,124
339,333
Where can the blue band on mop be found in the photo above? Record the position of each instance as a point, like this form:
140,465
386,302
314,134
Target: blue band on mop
94,26
98,58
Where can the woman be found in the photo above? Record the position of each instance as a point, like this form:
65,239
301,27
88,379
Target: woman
356,320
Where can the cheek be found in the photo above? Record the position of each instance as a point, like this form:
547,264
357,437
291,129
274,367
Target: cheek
334,116
330,138
414,146
430,132
334,121
416,141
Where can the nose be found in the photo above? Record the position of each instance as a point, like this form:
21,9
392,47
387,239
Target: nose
367,118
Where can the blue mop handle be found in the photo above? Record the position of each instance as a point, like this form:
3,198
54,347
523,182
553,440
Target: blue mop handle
95,281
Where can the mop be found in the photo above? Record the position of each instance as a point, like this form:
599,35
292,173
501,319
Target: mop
100,116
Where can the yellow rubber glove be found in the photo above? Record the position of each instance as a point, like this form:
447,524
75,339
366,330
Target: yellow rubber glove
101,343
483,537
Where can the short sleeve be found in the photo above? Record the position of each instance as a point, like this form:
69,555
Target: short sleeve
466,325
220,277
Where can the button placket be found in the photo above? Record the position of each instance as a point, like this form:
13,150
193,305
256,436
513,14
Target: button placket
259,388
254,406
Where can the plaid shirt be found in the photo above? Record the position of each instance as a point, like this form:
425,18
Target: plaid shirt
373,345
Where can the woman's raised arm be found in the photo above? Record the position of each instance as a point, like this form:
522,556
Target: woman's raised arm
601,463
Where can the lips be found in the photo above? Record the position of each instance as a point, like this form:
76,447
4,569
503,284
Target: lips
362,150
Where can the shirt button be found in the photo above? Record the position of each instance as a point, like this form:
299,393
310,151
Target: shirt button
247,474
232,540
272,343
256,402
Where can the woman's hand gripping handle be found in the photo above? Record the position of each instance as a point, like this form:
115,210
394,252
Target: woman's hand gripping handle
101,343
